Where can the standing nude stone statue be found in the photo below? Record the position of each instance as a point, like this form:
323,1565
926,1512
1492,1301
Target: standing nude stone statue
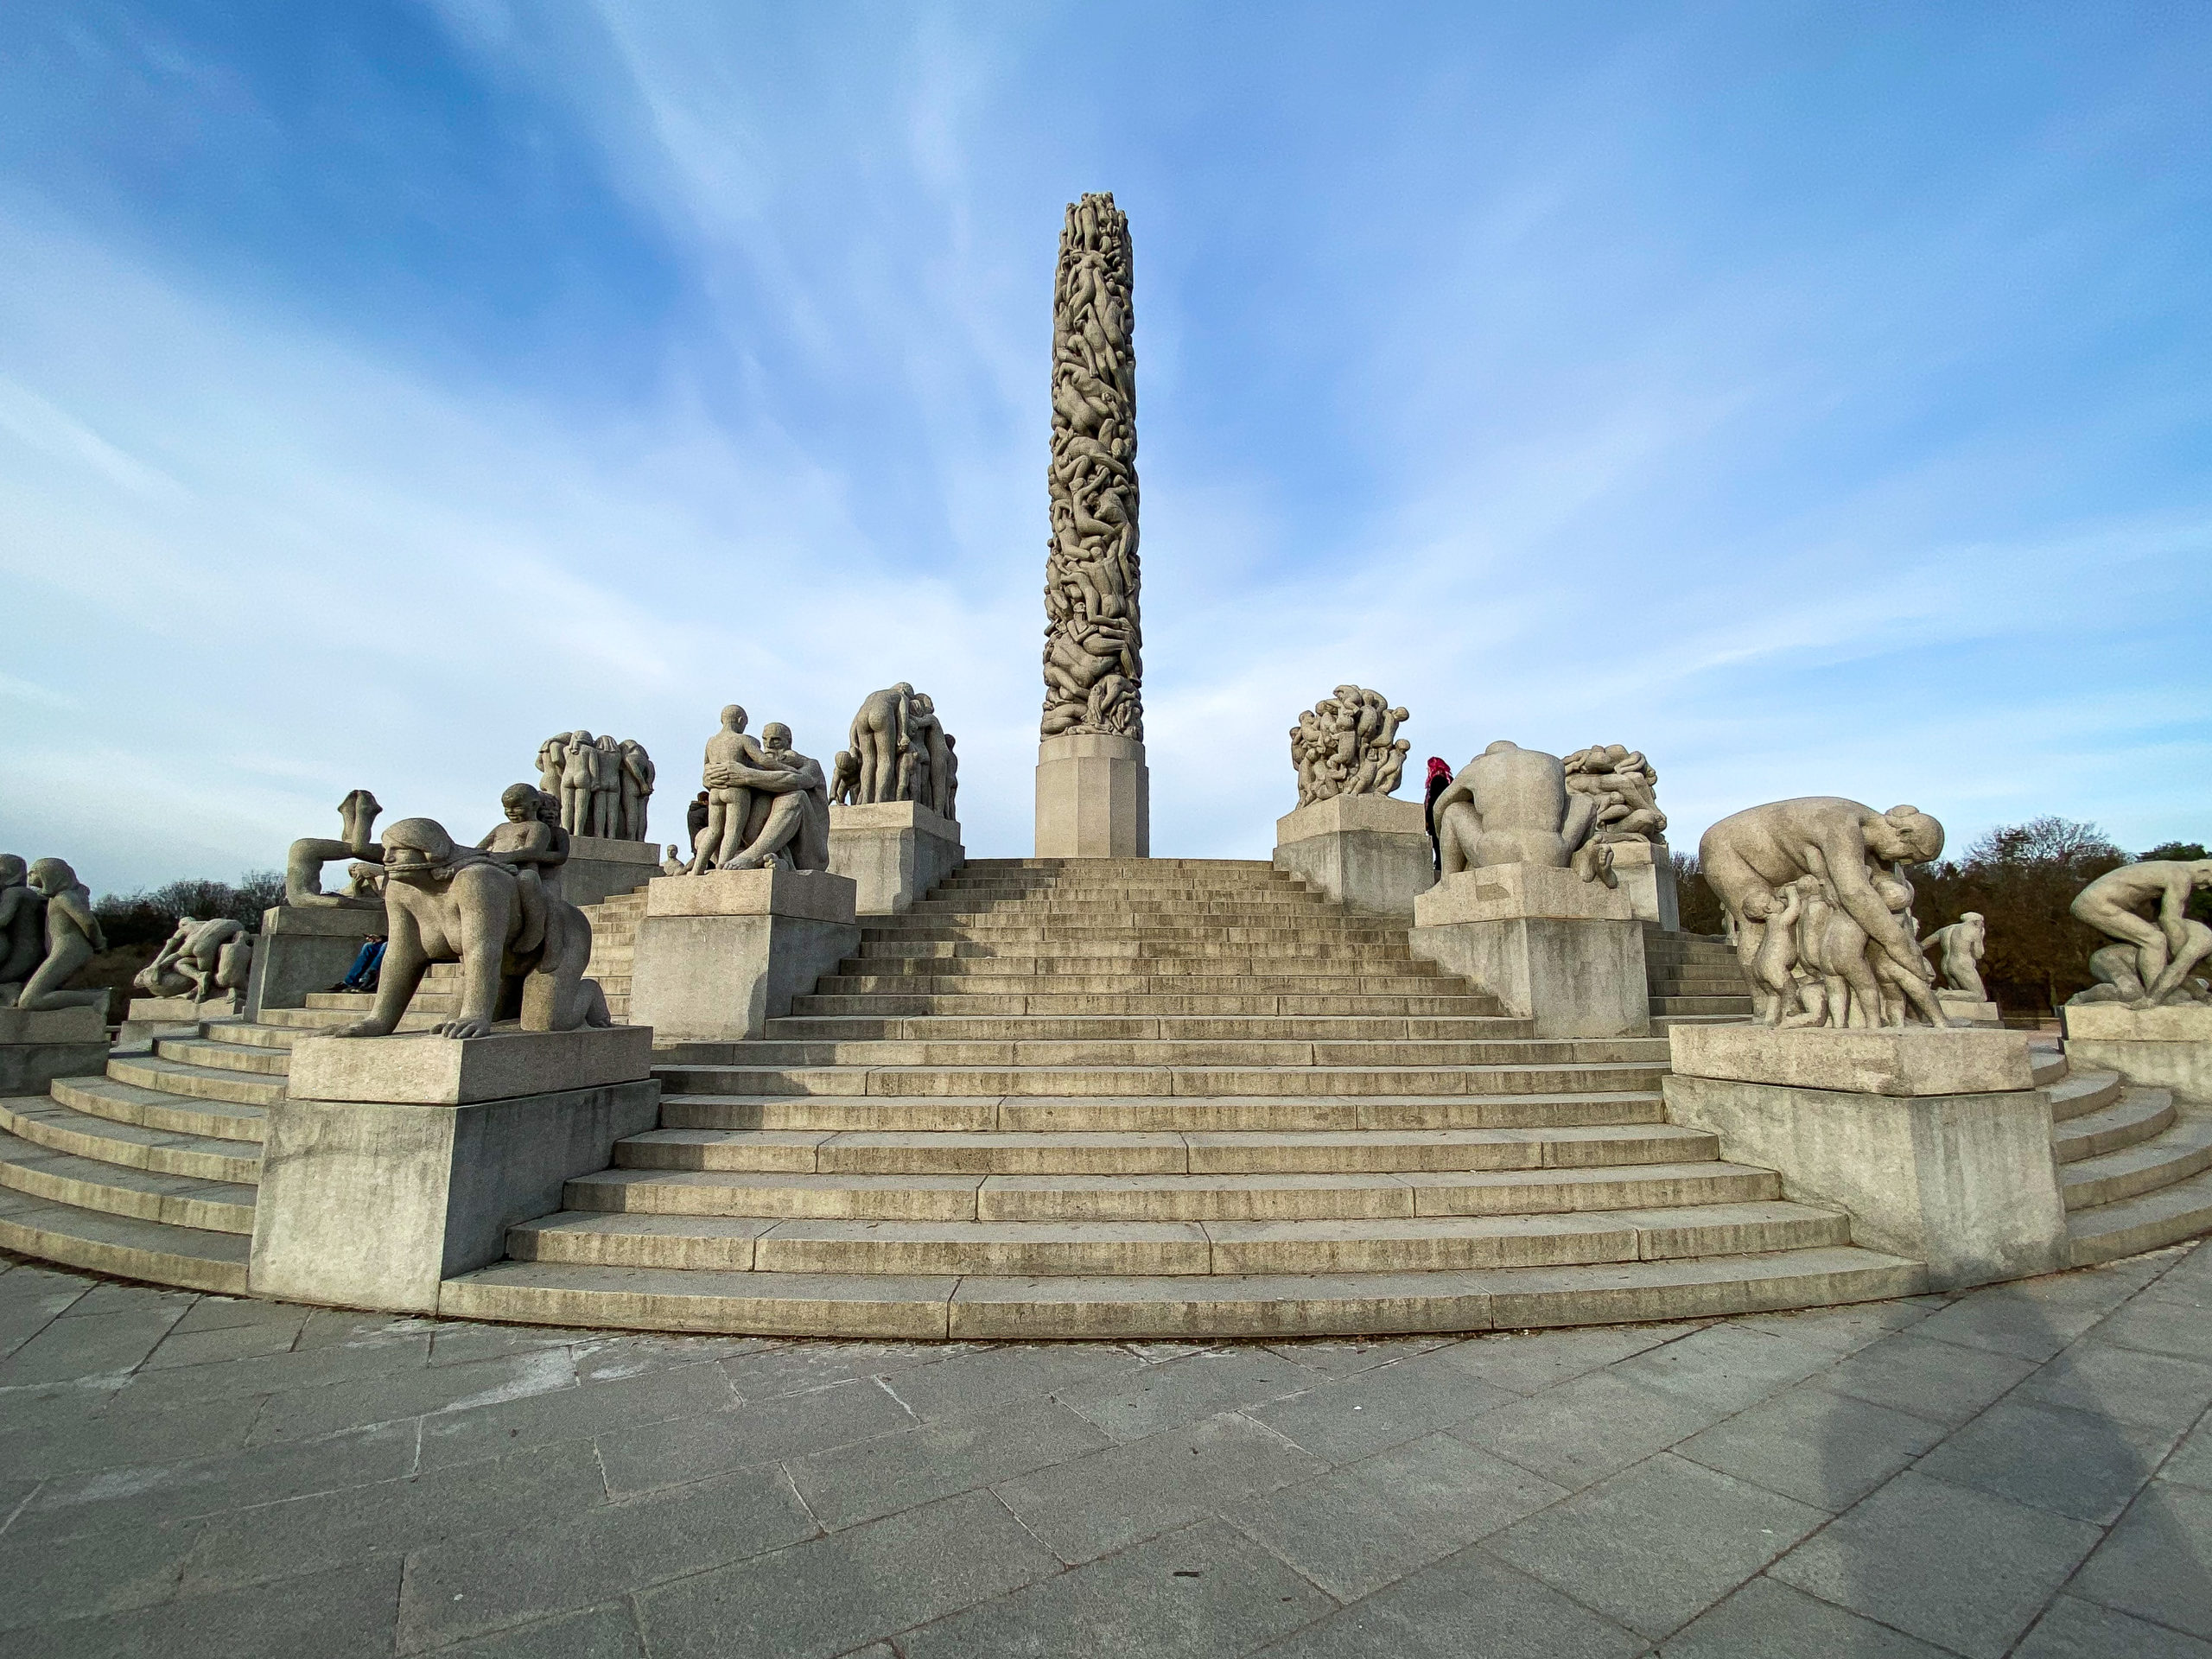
579,770
1958,951
636,790
606,788
304,860
2166,943
729,804
72,939
1510,806
522,951
23,925
552,761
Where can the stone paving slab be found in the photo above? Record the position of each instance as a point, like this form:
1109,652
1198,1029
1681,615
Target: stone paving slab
2019,1472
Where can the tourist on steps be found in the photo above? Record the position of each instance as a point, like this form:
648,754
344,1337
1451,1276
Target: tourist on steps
362,975
1440,776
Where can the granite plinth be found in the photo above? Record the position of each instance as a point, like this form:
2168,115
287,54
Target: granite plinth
1898,1061
304,949
600,867
39,1045
893,852
1094,797
422,1069
1966,1009
718,956
1645,870
1565,953
2166,1048
1367,853
47,1026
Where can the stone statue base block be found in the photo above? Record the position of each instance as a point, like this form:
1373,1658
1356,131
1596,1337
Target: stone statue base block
373,1204
718,956
39,1045
599,868
1566,953
1094,797
304,949
1367,853
1645,870
1968,1009
1962,1182
1899,1061
2164,1048
149,1014
895,851
422,1069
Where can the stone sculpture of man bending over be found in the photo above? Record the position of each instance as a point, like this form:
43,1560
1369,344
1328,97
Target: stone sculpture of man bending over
2164,947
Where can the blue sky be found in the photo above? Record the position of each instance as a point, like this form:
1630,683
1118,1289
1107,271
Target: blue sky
1817,397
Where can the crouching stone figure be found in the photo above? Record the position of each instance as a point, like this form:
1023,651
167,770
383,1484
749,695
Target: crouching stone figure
522,950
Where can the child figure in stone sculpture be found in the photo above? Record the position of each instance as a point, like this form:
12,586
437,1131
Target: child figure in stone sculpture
1897,987
23,925
525,843
72,939
729,803
1777,956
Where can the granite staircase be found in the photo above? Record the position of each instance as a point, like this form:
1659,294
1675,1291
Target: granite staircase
614,946
1162,1097
1693,979
2134,1163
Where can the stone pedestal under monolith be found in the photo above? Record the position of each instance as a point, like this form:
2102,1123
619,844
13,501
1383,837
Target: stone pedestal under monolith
399,1162
39,1045
1937,1143
893,852
1566,953
1094,797
304,949
2164,1048
1367,853
718,956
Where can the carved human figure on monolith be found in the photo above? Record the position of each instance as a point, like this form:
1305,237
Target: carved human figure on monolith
23,925
72,939
304,859
1750,855
522,950
1957,951
789,819
1511,805
2144,906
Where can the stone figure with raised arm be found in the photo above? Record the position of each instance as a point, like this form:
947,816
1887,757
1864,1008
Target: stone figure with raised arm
72,939
729,804
790,815
22,925
636,790
522,951
2164,947
1958,950
304,860
1844,842
1510,806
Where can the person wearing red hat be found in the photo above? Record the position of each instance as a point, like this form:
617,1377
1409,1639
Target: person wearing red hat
1440,777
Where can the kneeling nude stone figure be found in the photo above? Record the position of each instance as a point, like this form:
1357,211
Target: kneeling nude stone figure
521,950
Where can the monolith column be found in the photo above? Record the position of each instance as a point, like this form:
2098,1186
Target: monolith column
1093,792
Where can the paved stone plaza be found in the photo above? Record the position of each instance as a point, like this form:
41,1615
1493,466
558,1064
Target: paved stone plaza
2021,1470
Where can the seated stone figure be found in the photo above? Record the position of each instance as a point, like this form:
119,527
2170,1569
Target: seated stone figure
522,950
1511,805
304,862
72,939
531,843
188,961
2164,949
23,925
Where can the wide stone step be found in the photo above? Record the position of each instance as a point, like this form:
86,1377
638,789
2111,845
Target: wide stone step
1316,984
224,1057
1060,1248
2182,1151
360,1004
1283,1197
313,1022
2138,1114
171,1077
47,1122
1142,1027
1109,956
193,1258
1111,929
2082,1092
1170,1307
1159,1152
2105,1232
157,1108
1195,1080
1169,1052
1711,1007
1156,1114
1425,1005
118,1190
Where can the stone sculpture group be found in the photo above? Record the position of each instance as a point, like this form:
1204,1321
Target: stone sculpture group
199,958
602,787
1624,785
2143,908
899,752
1348,744
767,804
48,932
1094,668
1816,892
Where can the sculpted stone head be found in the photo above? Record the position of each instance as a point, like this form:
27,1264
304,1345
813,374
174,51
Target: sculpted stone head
1905,834
11,869
519,802
776,737
51,875
418,851
733,719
